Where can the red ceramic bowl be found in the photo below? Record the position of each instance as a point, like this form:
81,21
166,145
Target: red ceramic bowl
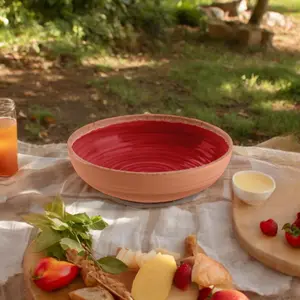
150,158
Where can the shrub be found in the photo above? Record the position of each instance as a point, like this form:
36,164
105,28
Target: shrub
189,15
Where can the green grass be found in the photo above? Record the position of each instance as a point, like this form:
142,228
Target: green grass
286,6
253,97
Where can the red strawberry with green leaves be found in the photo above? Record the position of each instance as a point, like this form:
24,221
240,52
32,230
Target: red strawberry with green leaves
292,235
205,294
183,276
269,227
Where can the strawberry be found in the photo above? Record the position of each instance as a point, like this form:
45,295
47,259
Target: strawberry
205,294
297,222
292,235
269,227
183,276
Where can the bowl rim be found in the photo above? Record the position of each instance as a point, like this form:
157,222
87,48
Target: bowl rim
271,190
150,117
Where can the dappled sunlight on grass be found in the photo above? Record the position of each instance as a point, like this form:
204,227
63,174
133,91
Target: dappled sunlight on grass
112,63
275,105
250,89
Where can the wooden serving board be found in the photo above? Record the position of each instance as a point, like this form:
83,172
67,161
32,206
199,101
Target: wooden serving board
31,259
274,252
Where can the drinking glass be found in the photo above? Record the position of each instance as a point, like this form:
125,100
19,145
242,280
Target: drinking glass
8,138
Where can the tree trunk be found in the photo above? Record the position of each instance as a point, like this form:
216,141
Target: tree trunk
258,12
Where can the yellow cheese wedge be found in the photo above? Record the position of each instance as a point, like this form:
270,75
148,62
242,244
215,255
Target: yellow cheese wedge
154,279
190,294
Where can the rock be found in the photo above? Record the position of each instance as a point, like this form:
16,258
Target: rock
214,13
92,116
249,37
267,39
95,97
221,31
233,8
245,16
273,18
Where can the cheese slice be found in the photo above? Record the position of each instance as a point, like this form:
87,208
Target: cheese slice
154,279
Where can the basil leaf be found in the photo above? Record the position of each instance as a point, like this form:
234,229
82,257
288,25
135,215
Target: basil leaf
112,265
67,243
59,225
97,223
84,236
81,218
37,220
56,208
56,251
47,238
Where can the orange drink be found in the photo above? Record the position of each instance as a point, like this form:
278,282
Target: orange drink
8,138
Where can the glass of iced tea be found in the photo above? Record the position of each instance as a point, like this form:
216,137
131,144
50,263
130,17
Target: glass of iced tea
8,138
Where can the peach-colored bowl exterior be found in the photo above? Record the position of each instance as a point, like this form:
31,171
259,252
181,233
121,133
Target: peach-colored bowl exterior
149,187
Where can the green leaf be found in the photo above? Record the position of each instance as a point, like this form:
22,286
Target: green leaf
56,208
112,265
84,236
67,243
81,218
37,220
97,223
59,225
286,227
56,251
47,238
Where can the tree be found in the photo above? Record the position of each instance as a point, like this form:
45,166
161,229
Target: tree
258,12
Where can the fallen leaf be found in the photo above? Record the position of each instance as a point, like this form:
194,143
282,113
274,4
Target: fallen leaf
29,94
105,102
33,118
43,134
49,120
95,97
260,134
92,116
242,113
127,77
22,115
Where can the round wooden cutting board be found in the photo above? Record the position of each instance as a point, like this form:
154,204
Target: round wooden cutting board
274,252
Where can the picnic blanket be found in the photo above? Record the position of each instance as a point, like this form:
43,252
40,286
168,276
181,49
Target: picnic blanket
46,171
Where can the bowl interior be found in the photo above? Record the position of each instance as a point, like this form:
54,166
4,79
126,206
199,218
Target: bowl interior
150,146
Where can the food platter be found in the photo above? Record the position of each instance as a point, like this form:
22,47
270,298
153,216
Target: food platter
31,259
67,264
